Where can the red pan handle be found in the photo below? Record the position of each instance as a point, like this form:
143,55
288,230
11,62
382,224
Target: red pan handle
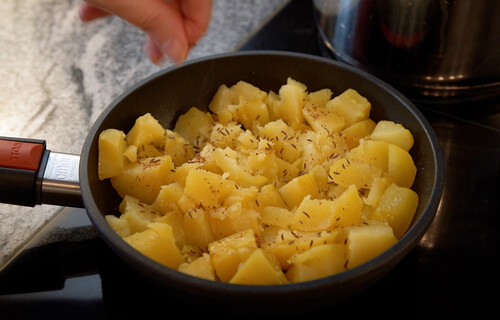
30,174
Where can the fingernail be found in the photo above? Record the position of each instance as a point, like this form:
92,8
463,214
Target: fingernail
174,50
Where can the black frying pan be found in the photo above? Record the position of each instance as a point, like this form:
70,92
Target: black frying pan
173,91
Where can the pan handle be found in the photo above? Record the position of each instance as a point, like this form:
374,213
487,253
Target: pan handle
30,174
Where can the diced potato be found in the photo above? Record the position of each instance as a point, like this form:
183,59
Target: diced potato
321,214
137,214
285,243
201,267
158,243
320,97
236,172
295,190
168,197
144,178
283,138
359,130
147,135
177,147
131,153
260,268
371,152
265,188
318,262
394,133
351,106
222,98
292,100
400,166
276,216
365,242
228,253
377,189
321,118
174,218
197,229
247,91
270,196
252,113
112,161
226,135
119,225
397,206
195,126
345,173
203,188
234,218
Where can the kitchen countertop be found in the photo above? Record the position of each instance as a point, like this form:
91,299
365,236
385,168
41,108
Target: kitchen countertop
59,74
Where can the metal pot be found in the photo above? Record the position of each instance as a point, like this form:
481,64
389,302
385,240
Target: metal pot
173,91
426,48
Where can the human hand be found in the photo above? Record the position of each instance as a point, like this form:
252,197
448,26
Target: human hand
172,26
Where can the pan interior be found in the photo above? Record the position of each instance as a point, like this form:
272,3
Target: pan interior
173,91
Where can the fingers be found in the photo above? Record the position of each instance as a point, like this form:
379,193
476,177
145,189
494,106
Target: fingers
172,26
89,13
197,15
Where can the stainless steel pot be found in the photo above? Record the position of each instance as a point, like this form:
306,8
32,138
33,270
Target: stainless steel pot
426,48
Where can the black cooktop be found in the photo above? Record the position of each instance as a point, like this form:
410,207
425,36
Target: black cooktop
66,271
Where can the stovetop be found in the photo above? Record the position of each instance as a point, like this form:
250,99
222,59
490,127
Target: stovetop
66,271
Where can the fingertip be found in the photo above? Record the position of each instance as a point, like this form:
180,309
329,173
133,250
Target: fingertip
175,50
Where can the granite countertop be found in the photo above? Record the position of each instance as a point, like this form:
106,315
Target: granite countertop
59,74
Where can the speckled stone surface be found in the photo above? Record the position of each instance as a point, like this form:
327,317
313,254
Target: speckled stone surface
58,74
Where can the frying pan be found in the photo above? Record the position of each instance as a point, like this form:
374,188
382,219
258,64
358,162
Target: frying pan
172,92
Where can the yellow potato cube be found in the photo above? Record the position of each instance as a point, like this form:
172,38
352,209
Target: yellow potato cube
119,225
400,166
236,172
112,146
321,118
350,106
322,214
137,214
317,262
131,153
221,100
394,133
358,131
167,198
144,178
197,229
174,218
320,97
276,216
147,135
177,147
201,267
346,173
203,188
260,268
283,138
237,214
270,196
365,242
226,135
252,113
157,243
195,126
228,253
292,100
371,152
295,190
397,206
285,243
